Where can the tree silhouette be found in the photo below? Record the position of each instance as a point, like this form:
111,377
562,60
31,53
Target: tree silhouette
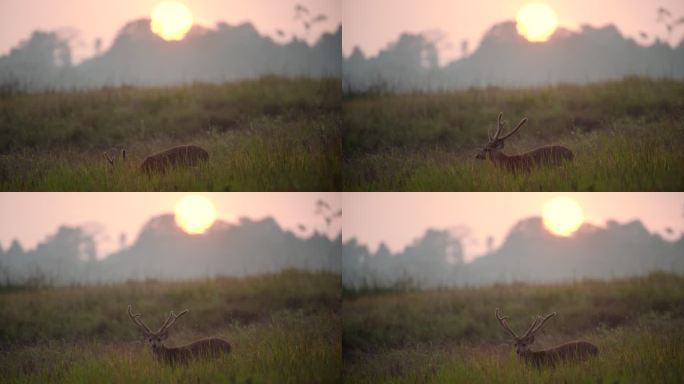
303,15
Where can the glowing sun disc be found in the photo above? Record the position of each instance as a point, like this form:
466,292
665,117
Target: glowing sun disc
562,216
171,20
536,21
195,214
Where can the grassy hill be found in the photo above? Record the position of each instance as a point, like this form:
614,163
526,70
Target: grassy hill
283,328
626,135
266,134
452,335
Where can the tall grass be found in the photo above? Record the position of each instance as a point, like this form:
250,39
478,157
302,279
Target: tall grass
452,335
283,328
626,135
266,134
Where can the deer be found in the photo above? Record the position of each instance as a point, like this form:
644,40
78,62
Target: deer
549,155
203,348
572,351
183,155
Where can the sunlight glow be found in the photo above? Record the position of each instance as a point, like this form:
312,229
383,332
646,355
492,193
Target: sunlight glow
195,214
562,216
171,20
536,21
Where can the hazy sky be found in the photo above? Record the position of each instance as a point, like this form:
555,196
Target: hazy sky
399,218
103,19
371,25
31,217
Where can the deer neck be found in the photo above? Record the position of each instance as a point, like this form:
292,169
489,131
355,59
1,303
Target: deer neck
169,354
497,156
159,350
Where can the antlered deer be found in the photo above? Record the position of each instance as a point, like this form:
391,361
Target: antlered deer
572,351
550,155
183,155
211,347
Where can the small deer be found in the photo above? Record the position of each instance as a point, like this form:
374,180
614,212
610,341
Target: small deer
211,347
572,351
183,155
550,155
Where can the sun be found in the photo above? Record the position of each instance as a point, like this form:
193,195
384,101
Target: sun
171,20
536,21
195,214
562,216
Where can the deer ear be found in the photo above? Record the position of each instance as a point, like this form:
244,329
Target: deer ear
164,335
109,159
499,144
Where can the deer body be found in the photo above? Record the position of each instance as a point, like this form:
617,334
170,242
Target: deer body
204,348
549,155
575,350
198,349
184,155
572,351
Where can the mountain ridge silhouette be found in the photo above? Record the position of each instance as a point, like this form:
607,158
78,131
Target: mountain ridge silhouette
528,253
506,59
164,251
137,56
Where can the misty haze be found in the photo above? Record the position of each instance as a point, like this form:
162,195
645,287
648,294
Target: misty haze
138,56
164,251
529,253
556,299
532,105
503,58
173,105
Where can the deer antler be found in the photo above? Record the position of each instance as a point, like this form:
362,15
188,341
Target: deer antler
499,127
534,324
136,319
504,323
538,324
520,124
171,319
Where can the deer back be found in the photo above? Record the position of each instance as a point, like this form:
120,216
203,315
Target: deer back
184,155
208,347
551,155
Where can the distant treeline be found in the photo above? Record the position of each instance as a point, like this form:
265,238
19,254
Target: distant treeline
163,251
529,253
504,58
139,57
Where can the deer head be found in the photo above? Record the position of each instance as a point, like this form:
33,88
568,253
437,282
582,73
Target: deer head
155,338
523,343
114,156
496,143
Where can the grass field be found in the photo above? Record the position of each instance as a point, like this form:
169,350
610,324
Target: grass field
626,135
283,328
267,134
452,336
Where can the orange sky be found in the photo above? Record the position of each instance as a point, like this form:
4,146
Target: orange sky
31,217
373,24
93,19
399,218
